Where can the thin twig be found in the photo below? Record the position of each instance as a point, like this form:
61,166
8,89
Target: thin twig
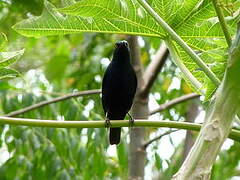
44,103
175,101
153,69
97,91
145,145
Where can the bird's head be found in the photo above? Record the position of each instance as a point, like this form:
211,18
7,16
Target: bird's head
121,44
122,49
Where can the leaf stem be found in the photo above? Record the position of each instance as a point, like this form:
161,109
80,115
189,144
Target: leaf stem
181,43
195,83
222,22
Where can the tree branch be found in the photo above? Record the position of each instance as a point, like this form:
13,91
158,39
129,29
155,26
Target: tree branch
234,135
191,114
153,69
175,101
97,91
145,145
44,103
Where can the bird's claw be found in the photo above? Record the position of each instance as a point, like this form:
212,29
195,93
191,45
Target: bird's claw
107,123
131,120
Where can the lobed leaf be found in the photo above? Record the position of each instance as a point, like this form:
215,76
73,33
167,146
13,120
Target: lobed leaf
195,21
52,22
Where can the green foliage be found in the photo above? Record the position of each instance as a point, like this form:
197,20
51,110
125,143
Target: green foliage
59,153
226,166
57,65
6,59
3,41
122,153
53,153
173,164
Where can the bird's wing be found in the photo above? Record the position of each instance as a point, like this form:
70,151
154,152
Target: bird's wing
104,93
132,91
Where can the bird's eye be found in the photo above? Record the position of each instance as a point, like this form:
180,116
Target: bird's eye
126,44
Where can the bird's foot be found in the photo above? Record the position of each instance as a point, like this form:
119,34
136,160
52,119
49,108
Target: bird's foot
131,120
107,123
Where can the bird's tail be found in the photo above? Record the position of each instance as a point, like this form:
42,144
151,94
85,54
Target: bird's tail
115,135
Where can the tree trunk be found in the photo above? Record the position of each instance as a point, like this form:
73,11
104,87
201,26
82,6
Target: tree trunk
192,113
140,106
139,111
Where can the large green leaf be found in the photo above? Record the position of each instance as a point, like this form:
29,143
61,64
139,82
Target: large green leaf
195,21
125,16
52,22
190,19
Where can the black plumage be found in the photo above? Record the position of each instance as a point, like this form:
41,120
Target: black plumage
118,88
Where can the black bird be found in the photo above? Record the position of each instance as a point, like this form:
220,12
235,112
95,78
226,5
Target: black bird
118,88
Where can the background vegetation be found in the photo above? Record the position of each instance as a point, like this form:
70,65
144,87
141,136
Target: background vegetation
47,67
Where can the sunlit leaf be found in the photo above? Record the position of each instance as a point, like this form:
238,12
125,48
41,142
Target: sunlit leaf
8,73
52,22
7,58
3,41
194,21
